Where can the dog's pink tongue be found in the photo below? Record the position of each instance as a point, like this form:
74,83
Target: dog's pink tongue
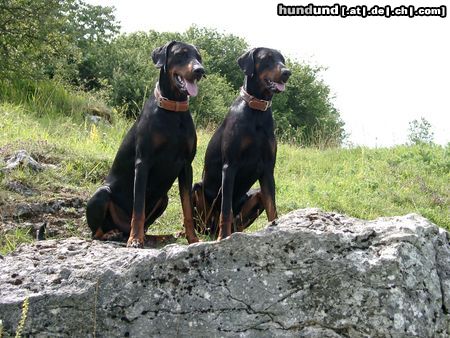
192,88
280,86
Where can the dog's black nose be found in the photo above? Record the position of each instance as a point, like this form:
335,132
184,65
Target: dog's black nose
285,74
199,71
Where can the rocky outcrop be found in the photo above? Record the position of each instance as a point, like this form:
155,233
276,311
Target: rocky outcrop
23,159
315,274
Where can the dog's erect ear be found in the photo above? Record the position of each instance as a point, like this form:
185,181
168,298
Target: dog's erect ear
247,62
160,55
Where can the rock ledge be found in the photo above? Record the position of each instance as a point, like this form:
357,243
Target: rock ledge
315,274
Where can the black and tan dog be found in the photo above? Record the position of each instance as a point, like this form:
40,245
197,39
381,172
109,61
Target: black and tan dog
243,151
158,149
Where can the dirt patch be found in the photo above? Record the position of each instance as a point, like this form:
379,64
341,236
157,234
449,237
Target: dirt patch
21,188
61,218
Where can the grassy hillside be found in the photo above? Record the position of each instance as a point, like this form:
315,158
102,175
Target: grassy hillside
360,182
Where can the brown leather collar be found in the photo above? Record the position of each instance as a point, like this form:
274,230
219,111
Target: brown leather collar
255,103
167,104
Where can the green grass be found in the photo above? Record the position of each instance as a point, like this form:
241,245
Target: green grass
366,183
48,98
360,182
10,240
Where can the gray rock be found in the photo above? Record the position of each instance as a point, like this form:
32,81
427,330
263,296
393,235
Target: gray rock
94,119
316,274
22,159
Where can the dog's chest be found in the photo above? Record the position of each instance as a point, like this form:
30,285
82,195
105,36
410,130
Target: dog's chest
173,137
174,152
258,145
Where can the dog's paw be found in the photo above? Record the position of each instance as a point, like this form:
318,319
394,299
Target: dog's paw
193,240
135,243
113,235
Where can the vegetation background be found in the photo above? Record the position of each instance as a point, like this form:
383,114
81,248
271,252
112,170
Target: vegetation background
62,61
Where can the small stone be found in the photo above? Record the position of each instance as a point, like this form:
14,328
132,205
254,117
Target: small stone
22,158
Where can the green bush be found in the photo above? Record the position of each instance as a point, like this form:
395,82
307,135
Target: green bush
77,43
304,113
420,132
213,101
130,74
220,52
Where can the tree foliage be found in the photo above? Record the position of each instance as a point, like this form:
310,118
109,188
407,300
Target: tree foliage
79,43
91,29
220,51
28,35
47,38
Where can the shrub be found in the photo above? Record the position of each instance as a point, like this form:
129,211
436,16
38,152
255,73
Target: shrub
213,101
420,132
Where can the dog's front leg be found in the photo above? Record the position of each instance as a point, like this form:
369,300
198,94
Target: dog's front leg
136,239
185,187
226,211
267,183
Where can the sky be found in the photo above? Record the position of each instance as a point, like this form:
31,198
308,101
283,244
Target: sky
383,72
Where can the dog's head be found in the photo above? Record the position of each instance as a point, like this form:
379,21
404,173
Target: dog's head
266,69
181,65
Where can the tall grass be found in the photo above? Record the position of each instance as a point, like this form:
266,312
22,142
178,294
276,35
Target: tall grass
50,122
366,183
82,151
319,137
46,98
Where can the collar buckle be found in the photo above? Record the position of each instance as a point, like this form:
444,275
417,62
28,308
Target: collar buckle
268,104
